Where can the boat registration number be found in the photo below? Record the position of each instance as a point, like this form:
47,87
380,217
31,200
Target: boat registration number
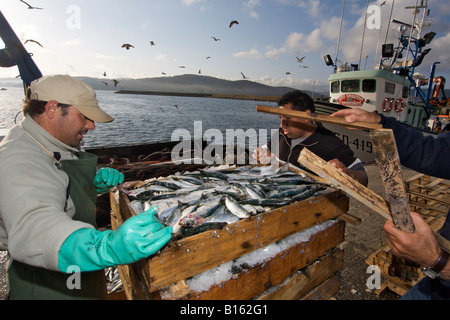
356,143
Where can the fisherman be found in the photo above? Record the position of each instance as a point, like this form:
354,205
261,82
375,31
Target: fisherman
48,191
295,134
427,155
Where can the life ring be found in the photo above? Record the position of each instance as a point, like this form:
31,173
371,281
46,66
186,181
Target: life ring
400,104
389,108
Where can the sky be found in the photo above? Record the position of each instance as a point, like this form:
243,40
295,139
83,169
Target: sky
85,37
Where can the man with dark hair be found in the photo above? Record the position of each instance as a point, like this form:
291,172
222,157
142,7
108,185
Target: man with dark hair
295,134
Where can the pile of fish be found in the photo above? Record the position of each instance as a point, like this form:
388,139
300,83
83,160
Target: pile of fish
212,197
113,281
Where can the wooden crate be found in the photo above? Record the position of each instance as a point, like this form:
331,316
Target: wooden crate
428,196
165,275
399,275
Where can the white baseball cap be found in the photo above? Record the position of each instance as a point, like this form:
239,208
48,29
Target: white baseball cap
68,90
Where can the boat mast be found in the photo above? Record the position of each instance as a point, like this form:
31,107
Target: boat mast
340,31
364,32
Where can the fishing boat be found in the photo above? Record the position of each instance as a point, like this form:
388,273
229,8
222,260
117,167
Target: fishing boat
393,88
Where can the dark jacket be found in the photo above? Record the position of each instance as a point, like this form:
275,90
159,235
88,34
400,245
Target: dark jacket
423,153
322,142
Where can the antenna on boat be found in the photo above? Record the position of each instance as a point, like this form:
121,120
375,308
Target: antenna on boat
364,33
340,31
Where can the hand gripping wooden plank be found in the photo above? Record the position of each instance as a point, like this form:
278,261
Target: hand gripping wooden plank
388,161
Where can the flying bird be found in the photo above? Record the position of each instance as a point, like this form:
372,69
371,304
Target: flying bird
152,43
208,57
115,82
176,106
300,59
163,73
182,67
104,74
384,2
233,22
30,6
287,73
215,39
127,46
243,76
30,40
199,71
105,83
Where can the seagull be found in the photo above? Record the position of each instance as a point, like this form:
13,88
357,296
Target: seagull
104,74
208,57
182,67
105,83
163,73
288,73
160,108
152,43
127,46
176,106
243,76
300,59
215,39
30,40
199,71
233,22
30,6
305,66
115,82
384,2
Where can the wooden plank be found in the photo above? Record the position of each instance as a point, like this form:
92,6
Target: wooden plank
388,161
192,255
307,279
318,118
342,181
256,280
325,290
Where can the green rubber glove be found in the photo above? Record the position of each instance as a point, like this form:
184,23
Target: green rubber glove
138,237
106,178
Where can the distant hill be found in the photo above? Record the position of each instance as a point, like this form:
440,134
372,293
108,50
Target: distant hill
188,83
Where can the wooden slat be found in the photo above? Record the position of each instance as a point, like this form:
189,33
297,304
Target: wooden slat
388,161
307,279
318,118
344,182
257,279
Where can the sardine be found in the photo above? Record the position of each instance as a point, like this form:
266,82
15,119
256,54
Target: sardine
236,209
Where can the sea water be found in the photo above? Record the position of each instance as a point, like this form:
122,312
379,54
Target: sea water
150,118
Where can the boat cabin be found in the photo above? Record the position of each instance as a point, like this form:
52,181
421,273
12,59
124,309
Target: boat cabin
371,90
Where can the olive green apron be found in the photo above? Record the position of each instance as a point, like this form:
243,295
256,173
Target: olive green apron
28,282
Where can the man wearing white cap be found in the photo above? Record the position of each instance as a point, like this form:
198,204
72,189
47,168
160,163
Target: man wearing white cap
47,199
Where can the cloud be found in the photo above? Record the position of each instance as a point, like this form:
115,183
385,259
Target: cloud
298,42
72,43
250,6
252,54
191,2
161,57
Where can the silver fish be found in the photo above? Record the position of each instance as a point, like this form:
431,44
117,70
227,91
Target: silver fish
236,209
